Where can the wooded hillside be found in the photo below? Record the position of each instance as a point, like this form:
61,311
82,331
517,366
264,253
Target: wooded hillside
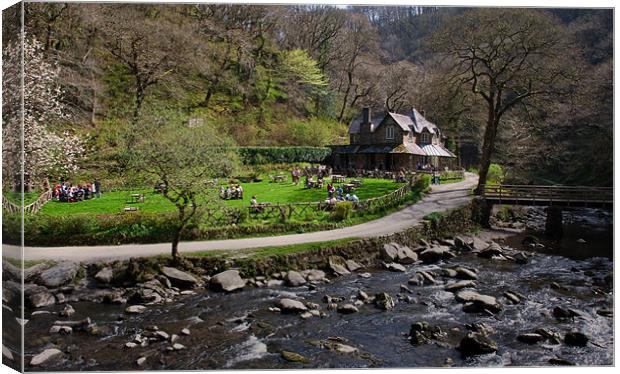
296,75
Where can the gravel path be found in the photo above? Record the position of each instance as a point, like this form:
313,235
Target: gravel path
441,198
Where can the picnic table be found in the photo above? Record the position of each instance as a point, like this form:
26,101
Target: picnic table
279,178
338,178
356,182
136,198
348,187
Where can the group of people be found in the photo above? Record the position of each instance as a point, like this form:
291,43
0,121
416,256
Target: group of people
335,195
68,193
233,192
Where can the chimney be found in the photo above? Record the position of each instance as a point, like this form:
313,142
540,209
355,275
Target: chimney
365,115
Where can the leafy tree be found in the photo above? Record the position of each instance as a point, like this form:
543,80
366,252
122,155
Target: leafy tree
186,160
507,57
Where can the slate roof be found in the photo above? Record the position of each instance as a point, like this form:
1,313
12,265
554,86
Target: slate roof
413,122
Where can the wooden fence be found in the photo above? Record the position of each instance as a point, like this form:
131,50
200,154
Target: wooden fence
300,210
31,208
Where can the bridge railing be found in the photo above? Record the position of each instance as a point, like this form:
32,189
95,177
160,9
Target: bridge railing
548,193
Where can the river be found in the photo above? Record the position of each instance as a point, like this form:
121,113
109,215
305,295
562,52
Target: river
240,331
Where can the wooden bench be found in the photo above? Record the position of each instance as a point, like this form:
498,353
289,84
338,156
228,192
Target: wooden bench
131,209
136,198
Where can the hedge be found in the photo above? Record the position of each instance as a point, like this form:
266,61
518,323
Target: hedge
273,155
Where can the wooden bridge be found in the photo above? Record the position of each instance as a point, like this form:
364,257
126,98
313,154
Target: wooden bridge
556,196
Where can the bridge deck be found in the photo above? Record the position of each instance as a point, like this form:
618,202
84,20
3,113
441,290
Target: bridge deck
566,196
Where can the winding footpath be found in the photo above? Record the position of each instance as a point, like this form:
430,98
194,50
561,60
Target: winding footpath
441,198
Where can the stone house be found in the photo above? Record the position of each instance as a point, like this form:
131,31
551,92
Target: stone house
392,141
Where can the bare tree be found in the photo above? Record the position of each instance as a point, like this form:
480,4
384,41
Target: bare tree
507,57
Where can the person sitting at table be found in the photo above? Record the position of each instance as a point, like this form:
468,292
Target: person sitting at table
339,193
239,192
330,191
319,182
253,201
352,198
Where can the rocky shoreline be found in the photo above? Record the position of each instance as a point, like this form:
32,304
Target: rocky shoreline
139,285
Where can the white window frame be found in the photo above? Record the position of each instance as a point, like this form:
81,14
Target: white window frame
424,138
389,133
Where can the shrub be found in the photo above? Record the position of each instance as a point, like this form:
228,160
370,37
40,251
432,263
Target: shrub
495,175
343,210
422,183
266,155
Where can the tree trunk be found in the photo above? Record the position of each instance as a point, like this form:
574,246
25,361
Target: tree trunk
488,146
175,245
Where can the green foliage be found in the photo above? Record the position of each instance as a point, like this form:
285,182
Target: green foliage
262,155
303,68
342,211
495,175
422,183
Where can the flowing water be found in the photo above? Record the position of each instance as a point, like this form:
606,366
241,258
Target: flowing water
239,331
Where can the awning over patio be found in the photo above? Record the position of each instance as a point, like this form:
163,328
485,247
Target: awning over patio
437,150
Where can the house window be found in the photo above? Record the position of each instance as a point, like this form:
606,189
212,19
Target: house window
389,132
424,138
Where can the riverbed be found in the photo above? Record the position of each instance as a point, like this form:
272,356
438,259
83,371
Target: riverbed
241,330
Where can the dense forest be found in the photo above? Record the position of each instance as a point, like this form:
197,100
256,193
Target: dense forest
296,75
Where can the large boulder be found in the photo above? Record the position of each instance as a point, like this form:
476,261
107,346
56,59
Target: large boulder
180,278
291,306
314,275
46,357
476,344
228,281
476,302
41,299
406,256
353,266
388,252
395,267
435,254
59,275
338,265
105,275
294,279
492,250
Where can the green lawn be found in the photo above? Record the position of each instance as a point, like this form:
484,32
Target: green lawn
265,191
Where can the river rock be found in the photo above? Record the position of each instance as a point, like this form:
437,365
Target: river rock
141,361
464,273
564,313
57,329
512,297
423,332
185,332
338,265
228,281
384,301
274,283
406,256
6,353
135,309
478,244
492,250
427,277
293,357
315,275
353,266
67,311
41,299
388,252
605,313
462,243
105,275
343,348
552,336
521,258
479,302
480,327
450,273
161,335
294,279
179,278
530,338
46,357
454,287
435,254
291,306
395,267
476,344
361,295
576,339
178,346
347,309
59,275
365,275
